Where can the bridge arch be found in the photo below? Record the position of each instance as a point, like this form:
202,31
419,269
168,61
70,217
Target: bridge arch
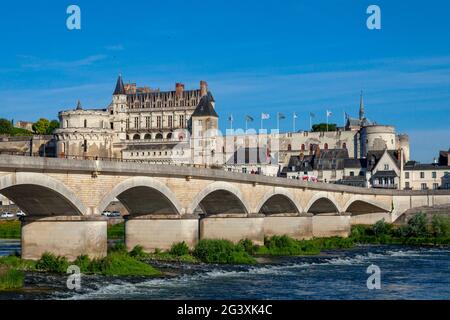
361,205
39,194
323,202
141,196
277,201
219,197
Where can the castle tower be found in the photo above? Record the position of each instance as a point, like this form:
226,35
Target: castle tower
204,127
118,110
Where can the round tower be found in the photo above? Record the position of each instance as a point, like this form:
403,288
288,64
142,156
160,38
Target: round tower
377,137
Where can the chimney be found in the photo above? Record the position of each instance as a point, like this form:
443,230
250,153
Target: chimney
179,88
203,88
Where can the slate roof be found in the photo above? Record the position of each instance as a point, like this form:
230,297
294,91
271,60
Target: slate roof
414,165
120,88
385,174
327,159
205,107
144,147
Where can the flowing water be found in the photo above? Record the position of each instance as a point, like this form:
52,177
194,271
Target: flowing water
406,273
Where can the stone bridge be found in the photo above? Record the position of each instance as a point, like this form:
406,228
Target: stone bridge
64,200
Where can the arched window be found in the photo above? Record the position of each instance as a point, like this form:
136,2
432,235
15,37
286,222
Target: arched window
148,136
325,146
344,146
311,147
303,147
289,147
136,137
67,123
159,136
85,123
169,135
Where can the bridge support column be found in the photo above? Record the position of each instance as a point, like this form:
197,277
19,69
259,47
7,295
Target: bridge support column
331,225
68,236
297,227
160,233
233,228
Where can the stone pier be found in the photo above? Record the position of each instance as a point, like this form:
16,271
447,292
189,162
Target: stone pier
233,228
160,233
331,226
68,236
297,227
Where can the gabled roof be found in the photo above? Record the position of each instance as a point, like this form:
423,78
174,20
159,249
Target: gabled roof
205,107
373,157
120,88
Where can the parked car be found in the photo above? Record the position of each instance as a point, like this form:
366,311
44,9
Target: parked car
106,213
7,215
115,214
20,214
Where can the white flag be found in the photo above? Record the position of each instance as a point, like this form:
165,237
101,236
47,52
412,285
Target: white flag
329,113
295,116
265,116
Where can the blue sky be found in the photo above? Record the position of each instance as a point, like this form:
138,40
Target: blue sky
257,56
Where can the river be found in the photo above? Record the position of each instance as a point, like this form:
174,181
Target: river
406,273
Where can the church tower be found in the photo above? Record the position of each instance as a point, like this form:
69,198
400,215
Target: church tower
362,114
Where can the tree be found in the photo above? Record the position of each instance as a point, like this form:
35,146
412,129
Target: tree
322,127
41,126
5,126
54,124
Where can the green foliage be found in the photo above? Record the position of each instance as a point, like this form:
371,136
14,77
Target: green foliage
381,228
221,251
51,263
44,126
116,231
10,229
440,226
121,264
119,247
249,246
83,263
322,127
179,249
417,226
14,261
11,278
20,132
138,253
5,126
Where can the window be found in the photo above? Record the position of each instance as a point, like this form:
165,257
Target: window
406,175
386,167
352,173
344,146
447,186
181,121
434,175
435,186
422,175
289,147
303,147
423,186
170,121
244,170
67,123
85,147
111,125
127,124
325,146
158,122
136,123
147,122
407,185
85,123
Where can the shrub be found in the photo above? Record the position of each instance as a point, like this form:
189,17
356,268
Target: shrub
381,228
121,264
51,263
83,263
179,249
440,226
221,251
417,226
138,253
116,231
11,278
119,247
10,229
248,246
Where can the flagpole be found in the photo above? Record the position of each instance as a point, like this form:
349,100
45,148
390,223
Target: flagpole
293,122
327,120
278,121
261,122
310,121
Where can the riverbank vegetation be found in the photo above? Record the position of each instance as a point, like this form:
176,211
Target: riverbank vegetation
10,229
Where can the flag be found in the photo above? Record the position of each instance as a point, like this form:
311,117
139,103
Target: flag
248,119
295,116
281,116
329,113
312,115
265,116
230,118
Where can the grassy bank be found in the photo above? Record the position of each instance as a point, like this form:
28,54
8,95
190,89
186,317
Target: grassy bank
10,229
116,231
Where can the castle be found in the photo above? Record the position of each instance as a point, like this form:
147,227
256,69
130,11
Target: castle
166,127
